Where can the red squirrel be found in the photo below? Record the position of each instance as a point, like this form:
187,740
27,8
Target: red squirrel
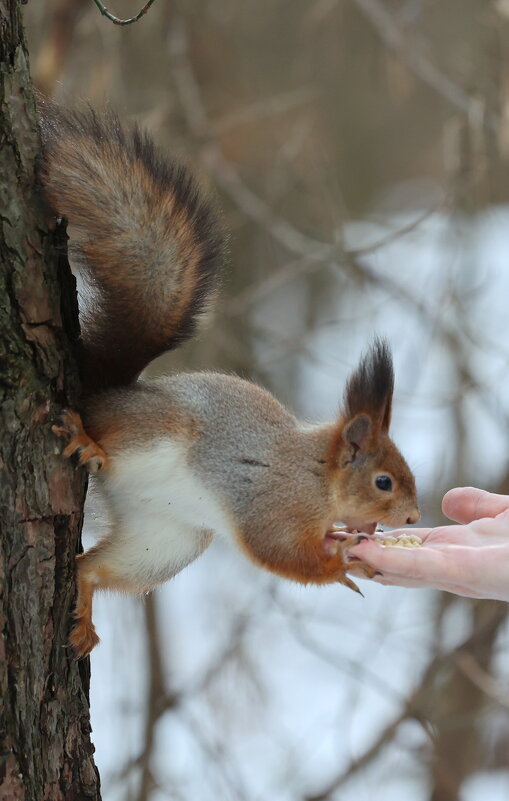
191,455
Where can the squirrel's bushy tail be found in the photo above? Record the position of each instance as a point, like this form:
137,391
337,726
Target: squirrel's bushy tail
148,242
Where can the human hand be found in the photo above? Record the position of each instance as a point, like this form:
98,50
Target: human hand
471,559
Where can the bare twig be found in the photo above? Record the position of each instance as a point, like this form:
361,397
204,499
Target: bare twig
116,20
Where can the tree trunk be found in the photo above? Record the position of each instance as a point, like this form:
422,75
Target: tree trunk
45,748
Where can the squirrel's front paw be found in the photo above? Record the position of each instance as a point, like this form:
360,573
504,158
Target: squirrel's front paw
334,543
339,544
90,454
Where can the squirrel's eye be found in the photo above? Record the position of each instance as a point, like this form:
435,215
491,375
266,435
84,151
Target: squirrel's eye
383,483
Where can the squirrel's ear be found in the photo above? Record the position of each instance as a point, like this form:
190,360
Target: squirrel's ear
349,439
357,431
370,387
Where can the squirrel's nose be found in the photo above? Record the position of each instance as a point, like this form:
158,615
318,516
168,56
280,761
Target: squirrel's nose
414,517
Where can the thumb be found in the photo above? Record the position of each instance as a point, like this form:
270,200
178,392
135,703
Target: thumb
464,504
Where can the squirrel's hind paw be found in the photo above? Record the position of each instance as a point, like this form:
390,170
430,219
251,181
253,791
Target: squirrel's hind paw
90,454
83,638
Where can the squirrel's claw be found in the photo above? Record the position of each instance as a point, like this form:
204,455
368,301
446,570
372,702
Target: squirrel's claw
90,454
335,546
351,584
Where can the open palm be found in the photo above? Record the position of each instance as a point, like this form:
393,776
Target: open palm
470,559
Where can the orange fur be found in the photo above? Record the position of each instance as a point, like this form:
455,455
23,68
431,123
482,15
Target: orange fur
83,635
93,574
142,230
335,447
116,432
304,558
90,454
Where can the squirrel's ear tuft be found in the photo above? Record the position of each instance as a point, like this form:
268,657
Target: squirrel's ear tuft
369,389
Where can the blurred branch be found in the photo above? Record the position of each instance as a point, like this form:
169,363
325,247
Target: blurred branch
430,695
57,43
161,699
483,680
385,737
232,649
266,107
313,252
156,693
291,270
214,749
421,66
227,177
457,706
343,663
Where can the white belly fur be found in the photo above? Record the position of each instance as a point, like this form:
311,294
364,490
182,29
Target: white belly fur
163,516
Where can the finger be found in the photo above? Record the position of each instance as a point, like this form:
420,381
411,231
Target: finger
392,580
464,504
419,584
426,564
388,581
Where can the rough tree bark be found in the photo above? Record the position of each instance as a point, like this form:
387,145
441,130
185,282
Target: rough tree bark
45,748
